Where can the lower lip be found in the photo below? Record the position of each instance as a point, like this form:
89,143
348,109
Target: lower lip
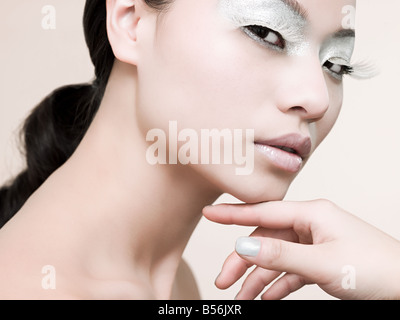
283,160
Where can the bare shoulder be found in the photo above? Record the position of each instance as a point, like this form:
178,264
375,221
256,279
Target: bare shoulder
185,287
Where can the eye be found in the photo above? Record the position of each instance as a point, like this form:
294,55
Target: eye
337,70
265,36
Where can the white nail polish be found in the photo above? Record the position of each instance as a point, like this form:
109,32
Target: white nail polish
246,246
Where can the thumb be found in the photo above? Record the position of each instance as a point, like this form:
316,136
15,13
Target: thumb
280,255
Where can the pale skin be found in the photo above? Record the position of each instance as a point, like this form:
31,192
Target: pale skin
117,225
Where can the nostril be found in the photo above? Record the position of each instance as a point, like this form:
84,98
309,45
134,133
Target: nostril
298,109
308,113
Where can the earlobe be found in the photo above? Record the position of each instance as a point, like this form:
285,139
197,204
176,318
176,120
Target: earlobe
123,17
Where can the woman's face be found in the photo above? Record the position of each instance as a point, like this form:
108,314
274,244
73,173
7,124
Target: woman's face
271,66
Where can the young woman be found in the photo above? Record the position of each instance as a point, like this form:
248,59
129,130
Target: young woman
110,216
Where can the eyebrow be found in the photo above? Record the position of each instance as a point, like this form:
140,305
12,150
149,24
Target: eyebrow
345,33
297,8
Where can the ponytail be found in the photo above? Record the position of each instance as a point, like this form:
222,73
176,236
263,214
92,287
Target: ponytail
50,135
56,126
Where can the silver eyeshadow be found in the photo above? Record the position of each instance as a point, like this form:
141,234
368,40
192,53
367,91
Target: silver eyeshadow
292,24
339,48
276,15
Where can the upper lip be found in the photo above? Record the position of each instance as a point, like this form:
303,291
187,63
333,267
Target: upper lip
299,143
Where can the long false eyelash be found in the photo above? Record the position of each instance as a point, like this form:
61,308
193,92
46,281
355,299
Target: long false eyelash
363,70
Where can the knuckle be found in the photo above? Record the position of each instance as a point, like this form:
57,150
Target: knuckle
274,253
323,205
322,211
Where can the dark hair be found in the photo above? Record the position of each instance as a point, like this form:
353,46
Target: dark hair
56,126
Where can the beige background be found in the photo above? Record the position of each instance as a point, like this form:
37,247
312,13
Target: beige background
357,166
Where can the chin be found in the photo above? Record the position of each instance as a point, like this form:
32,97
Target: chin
258,189
260,186
257,195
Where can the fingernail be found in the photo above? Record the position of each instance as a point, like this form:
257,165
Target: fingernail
246,246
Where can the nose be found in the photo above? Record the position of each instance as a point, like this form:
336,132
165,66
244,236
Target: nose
304,90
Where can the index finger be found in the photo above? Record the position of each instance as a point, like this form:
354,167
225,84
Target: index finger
273,215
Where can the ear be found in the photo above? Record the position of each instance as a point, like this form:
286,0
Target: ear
123,19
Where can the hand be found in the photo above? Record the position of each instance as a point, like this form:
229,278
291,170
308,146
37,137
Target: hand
312,242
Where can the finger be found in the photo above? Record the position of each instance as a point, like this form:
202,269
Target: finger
284,286
233,269
255,283
283,256
282,234
274,214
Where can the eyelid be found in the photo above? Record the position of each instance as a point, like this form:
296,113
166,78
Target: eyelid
272,14
288,32
337,48
339,61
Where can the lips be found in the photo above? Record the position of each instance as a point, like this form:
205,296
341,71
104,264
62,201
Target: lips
286,152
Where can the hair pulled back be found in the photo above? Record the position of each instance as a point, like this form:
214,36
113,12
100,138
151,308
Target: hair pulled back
56,126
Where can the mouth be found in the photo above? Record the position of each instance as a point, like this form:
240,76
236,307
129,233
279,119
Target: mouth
287,152
283,148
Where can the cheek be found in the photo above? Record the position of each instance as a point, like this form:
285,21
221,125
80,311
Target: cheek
325,125
196,74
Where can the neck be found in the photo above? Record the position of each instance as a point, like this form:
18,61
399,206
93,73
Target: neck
130,215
